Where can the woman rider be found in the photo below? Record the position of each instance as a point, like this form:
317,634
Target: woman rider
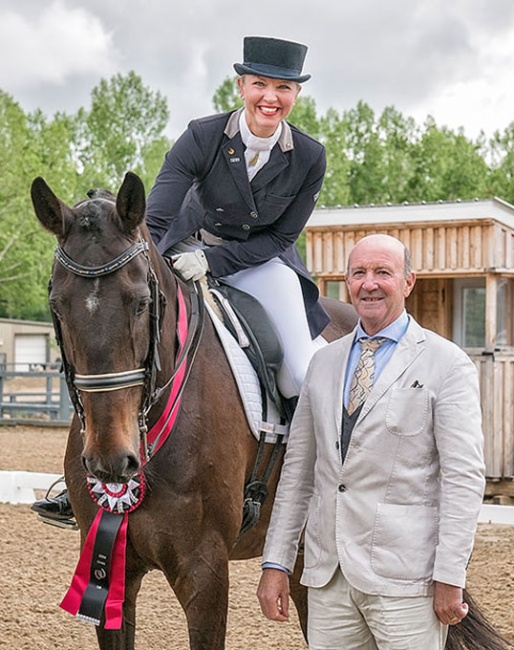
235,192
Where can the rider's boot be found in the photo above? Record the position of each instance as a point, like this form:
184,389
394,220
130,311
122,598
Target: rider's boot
55,510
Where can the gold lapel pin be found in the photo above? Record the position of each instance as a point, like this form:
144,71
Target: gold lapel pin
231,152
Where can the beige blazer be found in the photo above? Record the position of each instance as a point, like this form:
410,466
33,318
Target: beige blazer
401,511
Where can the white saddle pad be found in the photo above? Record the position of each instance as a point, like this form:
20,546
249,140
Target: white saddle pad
249,387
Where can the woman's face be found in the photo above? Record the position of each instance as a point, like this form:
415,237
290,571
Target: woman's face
267,102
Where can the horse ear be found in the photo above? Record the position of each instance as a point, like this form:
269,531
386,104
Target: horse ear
130,202
49,209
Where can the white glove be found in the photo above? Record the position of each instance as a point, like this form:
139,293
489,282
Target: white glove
191,266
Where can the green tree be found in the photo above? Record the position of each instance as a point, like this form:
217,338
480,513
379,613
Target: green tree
447,166
119,131
366,155
501,179
24,251
397,136
226,97
122,131
304,116
336,186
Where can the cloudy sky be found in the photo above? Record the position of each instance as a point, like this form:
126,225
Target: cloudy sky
452,59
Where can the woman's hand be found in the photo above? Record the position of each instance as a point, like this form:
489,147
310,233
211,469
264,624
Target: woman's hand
191,266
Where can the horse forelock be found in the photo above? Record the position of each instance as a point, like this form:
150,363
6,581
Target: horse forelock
95,215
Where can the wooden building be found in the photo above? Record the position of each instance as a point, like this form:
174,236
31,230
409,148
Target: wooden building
463,256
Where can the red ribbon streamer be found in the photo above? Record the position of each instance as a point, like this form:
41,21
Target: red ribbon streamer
114,603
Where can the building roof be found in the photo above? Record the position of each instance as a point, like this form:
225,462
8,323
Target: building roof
492,209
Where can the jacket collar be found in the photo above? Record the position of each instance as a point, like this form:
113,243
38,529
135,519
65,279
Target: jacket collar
285,142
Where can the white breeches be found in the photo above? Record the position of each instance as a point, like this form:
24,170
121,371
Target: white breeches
277,287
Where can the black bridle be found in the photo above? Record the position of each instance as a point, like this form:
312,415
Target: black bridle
144,376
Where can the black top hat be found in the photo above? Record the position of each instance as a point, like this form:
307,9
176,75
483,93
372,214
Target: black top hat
272,57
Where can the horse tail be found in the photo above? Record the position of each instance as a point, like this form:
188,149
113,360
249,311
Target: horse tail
475,632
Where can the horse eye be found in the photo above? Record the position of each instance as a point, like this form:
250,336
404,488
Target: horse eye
54,306
142,305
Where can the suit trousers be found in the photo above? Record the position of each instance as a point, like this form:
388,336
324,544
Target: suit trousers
278,289
341,616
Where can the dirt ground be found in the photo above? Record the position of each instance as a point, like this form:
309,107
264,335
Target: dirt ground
37,562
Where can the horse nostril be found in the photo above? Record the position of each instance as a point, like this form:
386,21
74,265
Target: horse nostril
133,464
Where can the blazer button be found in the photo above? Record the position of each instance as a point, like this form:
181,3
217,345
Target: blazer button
245,226
341,488
254,214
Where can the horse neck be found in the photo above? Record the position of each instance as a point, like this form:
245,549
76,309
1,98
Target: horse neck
168,345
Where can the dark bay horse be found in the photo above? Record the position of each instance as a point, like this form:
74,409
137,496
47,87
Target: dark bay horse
116,305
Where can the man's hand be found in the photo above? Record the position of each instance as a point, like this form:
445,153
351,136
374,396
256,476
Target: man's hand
191,266
273,594
448,604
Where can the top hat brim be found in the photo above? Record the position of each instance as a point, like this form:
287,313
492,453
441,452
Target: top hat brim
273,72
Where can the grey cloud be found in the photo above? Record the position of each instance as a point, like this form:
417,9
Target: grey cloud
397,52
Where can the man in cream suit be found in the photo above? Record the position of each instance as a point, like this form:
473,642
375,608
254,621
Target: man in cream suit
390,490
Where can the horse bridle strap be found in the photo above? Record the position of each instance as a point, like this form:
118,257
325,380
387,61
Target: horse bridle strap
103,269
110,381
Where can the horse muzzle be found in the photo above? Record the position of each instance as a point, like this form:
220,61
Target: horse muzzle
119,468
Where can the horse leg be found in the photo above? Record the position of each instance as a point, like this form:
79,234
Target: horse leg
201,587
124,639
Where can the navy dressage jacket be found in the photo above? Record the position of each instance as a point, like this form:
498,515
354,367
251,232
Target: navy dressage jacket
203,184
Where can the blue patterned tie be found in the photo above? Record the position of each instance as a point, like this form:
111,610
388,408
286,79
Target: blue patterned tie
362,380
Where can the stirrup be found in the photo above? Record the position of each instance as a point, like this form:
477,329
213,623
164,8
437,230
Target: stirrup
68,524
55,519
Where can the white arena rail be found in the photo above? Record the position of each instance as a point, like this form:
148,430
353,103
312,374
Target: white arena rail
18,487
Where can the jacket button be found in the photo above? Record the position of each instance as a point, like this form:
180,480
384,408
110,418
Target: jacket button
245,226
254,214
341,488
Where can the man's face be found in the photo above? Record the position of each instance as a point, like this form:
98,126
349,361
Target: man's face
376,281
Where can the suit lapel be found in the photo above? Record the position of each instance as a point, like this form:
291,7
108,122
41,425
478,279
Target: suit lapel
233,152
335,379
276,164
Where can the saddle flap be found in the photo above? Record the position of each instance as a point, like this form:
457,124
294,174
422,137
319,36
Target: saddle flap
248,321
255,321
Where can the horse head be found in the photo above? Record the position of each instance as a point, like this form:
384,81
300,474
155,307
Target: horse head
103,297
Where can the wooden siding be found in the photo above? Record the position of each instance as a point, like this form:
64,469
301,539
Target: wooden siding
496,374
444,249
431,304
